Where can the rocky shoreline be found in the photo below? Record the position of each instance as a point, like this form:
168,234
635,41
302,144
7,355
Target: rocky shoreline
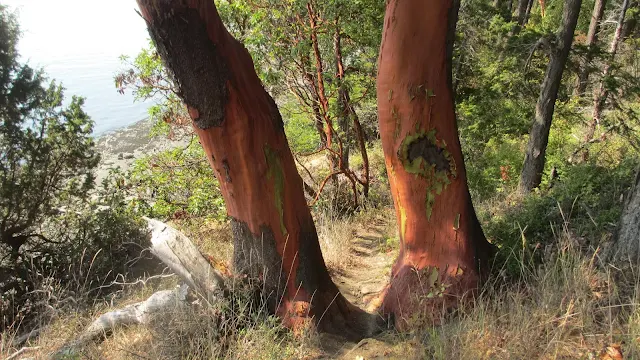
120,148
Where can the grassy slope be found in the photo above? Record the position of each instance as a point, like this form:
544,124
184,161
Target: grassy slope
570,305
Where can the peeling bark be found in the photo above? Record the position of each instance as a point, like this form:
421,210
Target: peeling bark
275,238
535,153
442,243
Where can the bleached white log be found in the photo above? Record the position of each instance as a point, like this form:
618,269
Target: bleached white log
178,252
139,313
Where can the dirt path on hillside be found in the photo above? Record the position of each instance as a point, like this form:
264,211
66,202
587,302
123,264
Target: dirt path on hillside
370,266
370,262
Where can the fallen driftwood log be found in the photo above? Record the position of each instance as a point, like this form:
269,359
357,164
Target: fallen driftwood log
20,340
135,314
22,352
178,252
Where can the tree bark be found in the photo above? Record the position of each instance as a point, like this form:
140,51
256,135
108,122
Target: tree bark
601,94
539,136
521,11
627,246
441,241
592,40
520,17
527,13
347,112
242,133
343,103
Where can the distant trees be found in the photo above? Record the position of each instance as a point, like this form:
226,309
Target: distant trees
591,43
52,231
601,91
539,136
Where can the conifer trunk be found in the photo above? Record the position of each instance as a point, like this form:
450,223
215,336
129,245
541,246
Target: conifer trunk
592,40
601,93
442,243
241,131
627,246
539,136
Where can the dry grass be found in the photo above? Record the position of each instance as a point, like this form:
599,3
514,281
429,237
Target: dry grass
569,307
335,236
572,306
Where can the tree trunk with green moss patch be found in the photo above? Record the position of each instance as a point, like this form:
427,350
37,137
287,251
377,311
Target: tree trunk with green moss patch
442,243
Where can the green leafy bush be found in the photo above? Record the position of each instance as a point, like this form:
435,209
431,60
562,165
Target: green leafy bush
175,183
586,200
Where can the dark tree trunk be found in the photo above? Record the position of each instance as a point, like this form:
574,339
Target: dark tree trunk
348,114
520,17
241,131
442,243
521,11
591,42
539,136
601,93
527,13
343,103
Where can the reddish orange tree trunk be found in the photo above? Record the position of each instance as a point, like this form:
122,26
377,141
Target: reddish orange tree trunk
442,243
241,131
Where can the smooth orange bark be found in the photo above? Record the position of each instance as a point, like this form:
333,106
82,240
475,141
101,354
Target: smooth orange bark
439,230
241,130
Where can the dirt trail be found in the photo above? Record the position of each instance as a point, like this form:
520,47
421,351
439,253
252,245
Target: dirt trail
361,283
370,266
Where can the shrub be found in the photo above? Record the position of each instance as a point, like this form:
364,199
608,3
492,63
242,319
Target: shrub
173,184
587,199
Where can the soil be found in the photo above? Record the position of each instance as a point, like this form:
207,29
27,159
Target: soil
370,267
362,283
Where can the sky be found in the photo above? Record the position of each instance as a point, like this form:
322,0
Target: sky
78,43
53,28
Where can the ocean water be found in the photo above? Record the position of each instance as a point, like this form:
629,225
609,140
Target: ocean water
78,43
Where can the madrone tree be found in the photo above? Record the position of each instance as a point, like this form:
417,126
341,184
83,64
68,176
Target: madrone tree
242,133
442,244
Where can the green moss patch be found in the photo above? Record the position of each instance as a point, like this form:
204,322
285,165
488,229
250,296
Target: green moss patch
422,154
275,174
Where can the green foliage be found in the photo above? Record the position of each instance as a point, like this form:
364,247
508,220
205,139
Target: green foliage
173,184
55,241
301,135
47,149
148,79
587,201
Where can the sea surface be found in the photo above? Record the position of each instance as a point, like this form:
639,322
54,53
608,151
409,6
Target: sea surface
78,43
